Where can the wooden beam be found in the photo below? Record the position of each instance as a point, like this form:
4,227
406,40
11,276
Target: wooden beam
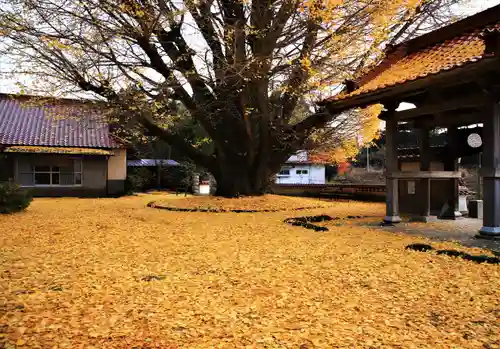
491,42
390,110
424,174
426,121
476,101
490,173
445,120
458,119
417,98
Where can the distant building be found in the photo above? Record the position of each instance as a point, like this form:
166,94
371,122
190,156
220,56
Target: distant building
299,169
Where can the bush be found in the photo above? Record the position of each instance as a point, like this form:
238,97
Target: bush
179,177
139,179
13,198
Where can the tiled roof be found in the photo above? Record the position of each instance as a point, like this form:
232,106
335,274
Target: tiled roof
56,123
419,58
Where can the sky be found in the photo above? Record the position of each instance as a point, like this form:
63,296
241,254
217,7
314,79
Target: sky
470,7
475,6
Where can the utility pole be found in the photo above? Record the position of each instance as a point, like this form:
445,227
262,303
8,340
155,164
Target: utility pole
368,159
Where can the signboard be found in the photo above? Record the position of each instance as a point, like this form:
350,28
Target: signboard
411,187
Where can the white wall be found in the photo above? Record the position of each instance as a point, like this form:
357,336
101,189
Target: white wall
316,174
117,165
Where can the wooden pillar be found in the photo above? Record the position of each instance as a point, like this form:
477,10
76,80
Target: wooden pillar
425,183
451,164
158,174
392,192
491,171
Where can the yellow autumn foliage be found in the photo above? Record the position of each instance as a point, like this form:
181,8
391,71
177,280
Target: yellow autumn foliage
113,273
367,126
258,203
370,123
241,66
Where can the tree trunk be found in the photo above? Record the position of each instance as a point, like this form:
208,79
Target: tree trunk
237,181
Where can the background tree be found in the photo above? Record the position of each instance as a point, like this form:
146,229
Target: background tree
144,144
240,68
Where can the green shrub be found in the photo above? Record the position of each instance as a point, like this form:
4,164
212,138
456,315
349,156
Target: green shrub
13,198
181,176
139,179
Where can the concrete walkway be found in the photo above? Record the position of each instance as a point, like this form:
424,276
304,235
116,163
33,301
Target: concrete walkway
462,230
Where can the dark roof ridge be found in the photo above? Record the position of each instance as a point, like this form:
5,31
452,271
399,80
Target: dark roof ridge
20,96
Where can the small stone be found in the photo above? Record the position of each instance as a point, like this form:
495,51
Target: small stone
153,277
308,345
18,292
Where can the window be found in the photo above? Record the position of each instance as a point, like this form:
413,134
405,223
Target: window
284,172
50,172
302,172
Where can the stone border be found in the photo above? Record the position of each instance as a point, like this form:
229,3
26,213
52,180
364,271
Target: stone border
454,253
306,221
152,204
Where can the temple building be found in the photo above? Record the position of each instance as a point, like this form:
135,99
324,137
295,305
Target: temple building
452,77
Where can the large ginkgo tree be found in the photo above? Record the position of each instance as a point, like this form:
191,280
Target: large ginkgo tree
246,71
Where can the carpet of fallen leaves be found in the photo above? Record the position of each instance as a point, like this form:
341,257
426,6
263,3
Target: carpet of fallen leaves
265,202
112,273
